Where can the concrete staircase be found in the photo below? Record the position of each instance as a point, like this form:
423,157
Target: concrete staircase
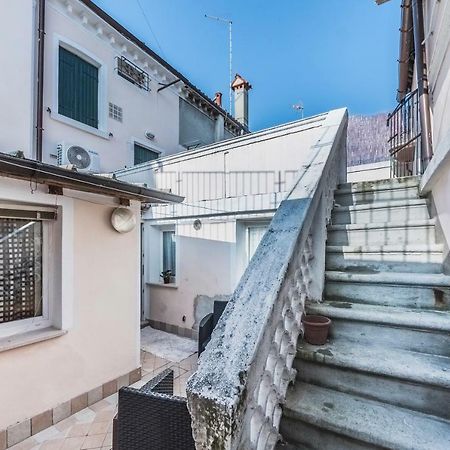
383,379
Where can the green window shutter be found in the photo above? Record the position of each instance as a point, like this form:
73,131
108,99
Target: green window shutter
142,154
77,88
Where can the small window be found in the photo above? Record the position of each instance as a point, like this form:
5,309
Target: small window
169,252
115,112
143,154
77,88
255,234
20,269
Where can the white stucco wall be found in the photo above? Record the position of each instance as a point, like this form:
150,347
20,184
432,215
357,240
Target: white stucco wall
436,179
142,111
17,46
369,172
100,302
246,176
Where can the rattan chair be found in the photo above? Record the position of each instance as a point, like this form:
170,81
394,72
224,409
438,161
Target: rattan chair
152,417
208,323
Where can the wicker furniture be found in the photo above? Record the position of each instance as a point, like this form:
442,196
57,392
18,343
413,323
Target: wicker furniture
152,417
207,325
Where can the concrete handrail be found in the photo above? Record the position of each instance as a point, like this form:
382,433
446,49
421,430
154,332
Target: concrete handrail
235,395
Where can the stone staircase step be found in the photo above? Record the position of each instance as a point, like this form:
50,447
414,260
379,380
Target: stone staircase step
327,419
420,258
425,331
411,380
352,196
389,211
388,183
418,290
385,233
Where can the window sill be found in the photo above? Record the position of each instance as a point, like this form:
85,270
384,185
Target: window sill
170,285
81,126
28,338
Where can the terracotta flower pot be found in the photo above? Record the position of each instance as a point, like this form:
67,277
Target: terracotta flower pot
316,329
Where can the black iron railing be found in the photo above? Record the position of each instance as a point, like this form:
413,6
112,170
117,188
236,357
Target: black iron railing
132,73
405,137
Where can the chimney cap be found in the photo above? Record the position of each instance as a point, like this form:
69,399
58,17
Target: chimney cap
240,82
218,98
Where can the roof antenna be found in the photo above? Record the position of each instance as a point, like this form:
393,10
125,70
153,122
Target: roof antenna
298,107
230,24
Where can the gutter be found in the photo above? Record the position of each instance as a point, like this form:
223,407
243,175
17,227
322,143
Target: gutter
60,178
40,79
131,37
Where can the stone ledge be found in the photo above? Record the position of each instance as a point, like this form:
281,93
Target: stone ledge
20,431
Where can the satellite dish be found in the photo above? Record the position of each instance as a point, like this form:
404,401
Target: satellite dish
123,220
78,157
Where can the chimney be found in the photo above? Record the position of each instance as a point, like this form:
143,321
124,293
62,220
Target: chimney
241,87
218,99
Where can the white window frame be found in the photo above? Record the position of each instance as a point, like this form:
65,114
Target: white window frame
134,140
58,257
103,104
249,226
48,291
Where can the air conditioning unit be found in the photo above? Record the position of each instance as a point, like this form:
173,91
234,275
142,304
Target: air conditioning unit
82,159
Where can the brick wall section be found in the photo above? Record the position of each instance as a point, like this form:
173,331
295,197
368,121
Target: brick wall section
367,139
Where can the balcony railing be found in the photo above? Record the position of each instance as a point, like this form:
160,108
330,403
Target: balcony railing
235,397
405,137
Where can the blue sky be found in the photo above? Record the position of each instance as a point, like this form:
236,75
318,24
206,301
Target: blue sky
323,53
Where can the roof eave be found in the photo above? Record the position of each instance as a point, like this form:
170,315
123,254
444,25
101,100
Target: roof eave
28,169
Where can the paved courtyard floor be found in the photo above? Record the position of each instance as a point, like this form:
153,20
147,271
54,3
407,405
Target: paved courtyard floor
91,428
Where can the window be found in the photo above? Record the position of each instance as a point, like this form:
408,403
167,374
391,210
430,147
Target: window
143,154
255,234
169,251
21,243
115,112
77,88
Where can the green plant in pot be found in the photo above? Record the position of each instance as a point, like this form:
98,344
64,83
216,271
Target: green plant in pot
166,275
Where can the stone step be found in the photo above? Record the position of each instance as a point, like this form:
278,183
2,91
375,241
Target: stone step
419,290
388,183
390,211
410,380
425,331
352,196
421,258
387,233
329,420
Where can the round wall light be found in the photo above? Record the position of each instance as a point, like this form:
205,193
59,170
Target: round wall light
123,220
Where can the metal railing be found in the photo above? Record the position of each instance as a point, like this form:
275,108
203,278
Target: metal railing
236,394
405,142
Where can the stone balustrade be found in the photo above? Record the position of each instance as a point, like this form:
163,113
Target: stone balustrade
236,395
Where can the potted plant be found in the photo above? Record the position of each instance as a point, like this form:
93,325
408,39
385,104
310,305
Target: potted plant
166,275
316,329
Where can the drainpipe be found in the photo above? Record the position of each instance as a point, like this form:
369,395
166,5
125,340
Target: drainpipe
406,49
422,82
40,79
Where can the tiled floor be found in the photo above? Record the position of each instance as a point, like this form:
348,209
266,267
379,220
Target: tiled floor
91,428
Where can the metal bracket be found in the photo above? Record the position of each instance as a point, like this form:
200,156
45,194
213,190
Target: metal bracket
164,86
55,190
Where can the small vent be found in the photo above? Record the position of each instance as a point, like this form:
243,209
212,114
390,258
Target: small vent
115,112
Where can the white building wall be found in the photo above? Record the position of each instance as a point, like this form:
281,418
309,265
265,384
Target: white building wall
228,186
142,111
17,47
436,179
98,306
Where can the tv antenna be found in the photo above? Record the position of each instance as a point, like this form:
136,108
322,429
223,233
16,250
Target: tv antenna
298,107
230,42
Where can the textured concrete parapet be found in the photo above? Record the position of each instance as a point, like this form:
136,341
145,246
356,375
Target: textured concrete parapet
235,396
